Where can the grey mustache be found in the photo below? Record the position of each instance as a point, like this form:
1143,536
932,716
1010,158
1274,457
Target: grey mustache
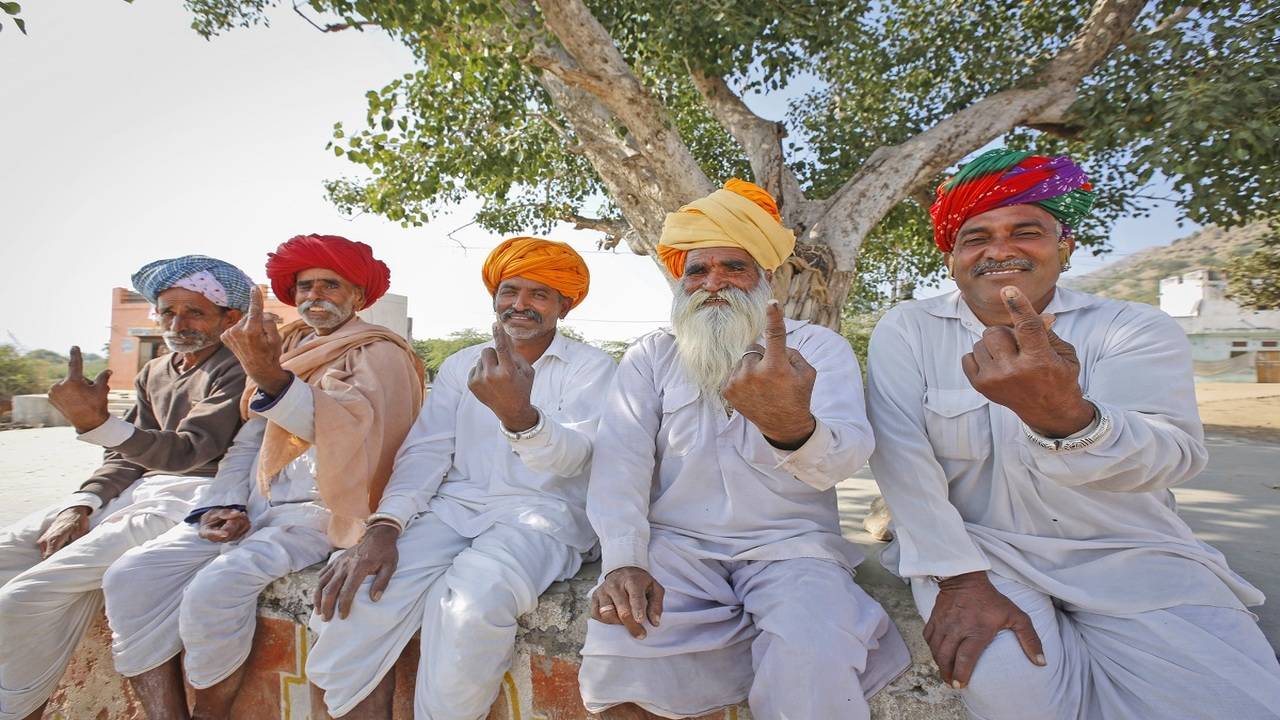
989,265
527,314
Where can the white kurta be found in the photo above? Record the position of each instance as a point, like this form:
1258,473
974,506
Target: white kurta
181,591
1094,529
491,522
46,605
731,527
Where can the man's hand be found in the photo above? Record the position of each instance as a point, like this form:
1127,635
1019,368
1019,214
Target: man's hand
1030,370
82,403
70,525
772,386
224,525
375,554
255,340
628,596
966,616
503,380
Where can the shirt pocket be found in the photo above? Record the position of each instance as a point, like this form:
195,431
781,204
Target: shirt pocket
958,423
681,426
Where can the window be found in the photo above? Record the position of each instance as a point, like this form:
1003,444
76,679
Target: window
1269,343
1239,343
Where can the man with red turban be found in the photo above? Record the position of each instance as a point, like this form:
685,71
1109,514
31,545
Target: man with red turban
725,575
1027,436
329,400
484,510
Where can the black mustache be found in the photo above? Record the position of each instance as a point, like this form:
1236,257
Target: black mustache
526,314
989,265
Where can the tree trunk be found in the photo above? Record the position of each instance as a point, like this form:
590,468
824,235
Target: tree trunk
810,286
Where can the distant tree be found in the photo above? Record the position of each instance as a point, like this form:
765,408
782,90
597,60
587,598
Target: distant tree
19,375
433,351
611,113
572,333
1253,280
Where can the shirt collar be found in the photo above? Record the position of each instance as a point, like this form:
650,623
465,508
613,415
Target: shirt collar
952,305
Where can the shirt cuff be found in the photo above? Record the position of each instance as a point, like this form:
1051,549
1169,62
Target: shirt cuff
398,508
194,516
805,462
109,434
85,499
293,409
262,400
623,552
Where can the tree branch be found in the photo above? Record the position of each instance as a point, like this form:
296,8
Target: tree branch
761,139
331,27
600,69
892,172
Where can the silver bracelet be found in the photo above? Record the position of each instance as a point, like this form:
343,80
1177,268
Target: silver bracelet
524,434
1102,429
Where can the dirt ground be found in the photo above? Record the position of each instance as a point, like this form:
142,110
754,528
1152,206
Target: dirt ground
1250,409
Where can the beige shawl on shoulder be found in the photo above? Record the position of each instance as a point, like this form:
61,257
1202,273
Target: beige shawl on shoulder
367,387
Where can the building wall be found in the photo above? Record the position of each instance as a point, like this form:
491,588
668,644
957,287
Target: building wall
136,336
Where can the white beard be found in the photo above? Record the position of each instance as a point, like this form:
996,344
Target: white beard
710,339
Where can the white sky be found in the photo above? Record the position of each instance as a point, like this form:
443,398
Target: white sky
126,138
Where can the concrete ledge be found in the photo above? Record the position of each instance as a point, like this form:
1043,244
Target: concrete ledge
543,681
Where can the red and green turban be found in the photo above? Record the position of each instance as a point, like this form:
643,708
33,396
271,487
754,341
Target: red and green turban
998,178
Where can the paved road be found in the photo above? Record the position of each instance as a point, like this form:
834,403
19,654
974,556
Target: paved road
1234,505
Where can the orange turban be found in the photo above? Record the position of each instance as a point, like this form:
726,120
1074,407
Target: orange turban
742,215
551,263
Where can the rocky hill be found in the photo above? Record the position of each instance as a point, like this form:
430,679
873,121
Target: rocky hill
1138,276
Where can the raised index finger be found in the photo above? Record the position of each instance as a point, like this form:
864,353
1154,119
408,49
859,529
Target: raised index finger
502,344
775,332
75,366
1028,328
255,305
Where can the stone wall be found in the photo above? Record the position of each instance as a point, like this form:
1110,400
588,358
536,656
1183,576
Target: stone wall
542,684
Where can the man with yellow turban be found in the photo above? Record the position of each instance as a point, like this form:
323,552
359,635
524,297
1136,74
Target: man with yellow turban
1027,436
725,577
484,510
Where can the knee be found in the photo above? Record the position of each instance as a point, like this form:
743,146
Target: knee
1005,682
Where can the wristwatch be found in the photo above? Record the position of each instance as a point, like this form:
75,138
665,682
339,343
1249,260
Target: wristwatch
524,434
1101,428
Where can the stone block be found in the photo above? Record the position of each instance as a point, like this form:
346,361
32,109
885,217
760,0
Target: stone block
36,411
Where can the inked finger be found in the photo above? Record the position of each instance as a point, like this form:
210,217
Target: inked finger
1028,328
501,343
75,365
775,331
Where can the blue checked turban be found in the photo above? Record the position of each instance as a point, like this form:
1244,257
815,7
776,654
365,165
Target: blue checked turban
221,282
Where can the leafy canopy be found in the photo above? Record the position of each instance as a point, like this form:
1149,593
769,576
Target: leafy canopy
1190,97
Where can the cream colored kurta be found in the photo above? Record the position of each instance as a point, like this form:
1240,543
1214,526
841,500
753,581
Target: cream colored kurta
1095,527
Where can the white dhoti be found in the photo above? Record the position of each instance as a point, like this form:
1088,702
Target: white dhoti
465,594
46,605
182,591
1191,662
797,639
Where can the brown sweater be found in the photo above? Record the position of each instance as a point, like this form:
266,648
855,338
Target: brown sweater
184,422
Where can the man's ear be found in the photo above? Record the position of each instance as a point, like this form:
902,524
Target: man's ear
233,315
565,305
768,276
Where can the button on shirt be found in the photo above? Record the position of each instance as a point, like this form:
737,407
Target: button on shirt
674,462
457,463
1094,526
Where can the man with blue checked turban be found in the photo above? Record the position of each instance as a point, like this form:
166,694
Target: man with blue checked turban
163,450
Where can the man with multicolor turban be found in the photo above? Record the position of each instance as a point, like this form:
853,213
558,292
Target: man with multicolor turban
725,575
329,400
484,510
165,449
1027,436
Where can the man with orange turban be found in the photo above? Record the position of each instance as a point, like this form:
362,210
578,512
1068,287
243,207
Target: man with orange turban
485,508
329,400
1027,437
725,575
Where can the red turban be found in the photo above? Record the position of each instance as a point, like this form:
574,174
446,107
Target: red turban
354,261
551,263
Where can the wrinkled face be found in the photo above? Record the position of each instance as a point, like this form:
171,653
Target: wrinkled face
716,312
1015,245
191,322
528,309
325,299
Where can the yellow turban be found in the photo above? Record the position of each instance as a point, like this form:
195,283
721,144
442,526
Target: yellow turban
551,263
742,215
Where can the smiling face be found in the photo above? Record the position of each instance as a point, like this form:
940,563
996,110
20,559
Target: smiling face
1015,245
528,309
325,299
